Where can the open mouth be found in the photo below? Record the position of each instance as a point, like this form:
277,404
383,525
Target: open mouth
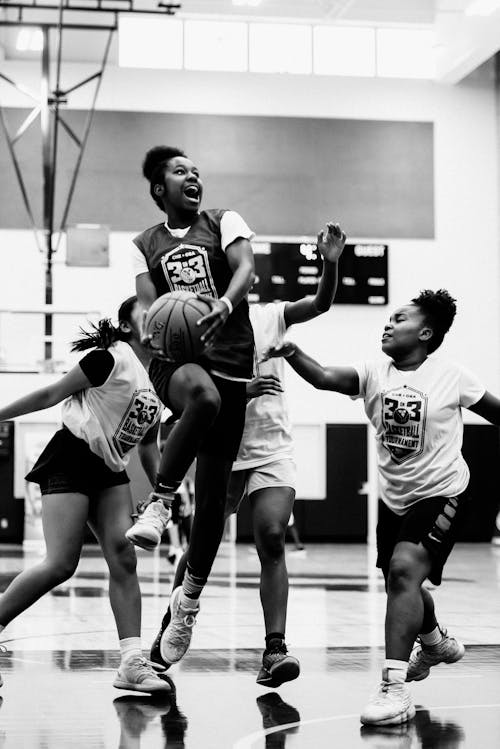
192,193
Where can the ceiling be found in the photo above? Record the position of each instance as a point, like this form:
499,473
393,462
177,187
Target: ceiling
466,42
85,46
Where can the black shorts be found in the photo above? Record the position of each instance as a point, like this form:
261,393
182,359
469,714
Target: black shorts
224,436
433,522
68,465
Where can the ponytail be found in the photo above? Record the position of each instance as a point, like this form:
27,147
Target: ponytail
102,335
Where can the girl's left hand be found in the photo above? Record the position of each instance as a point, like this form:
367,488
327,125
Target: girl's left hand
331,242
214,320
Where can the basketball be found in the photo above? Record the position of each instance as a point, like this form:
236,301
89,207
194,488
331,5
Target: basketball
171,323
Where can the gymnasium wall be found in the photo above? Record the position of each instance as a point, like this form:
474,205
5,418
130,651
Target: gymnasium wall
461,253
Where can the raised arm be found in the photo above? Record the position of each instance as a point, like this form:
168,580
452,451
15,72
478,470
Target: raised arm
47,396
488,407
343,380
330,245
240,258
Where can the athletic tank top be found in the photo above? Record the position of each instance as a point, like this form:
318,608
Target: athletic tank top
198,263
112,418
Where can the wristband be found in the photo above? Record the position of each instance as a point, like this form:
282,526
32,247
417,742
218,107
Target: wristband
227,302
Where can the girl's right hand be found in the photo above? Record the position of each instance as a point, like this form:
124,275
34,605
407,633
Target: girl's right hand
264,385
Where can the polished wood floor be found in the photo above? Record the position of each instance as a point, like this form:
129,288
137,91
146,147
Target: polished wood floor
61,657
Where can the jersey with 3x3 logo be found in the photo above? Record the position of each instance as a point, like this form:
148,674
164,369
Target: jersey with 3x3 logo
187,268
140,415
404,411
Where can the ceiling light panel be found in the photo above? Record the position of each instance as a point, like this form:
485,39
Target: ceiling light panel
216,45
280,48
148,42
344,50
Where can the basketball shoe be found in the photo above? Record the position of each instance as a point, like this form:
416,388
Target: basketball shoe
150,524
138,675
176,637
389,705
423,657
277,665
155,653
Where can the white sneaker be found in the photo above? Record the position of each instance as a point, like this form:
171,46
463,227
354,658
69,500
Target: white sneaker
150,526
138,675
423,657
177,636
389,705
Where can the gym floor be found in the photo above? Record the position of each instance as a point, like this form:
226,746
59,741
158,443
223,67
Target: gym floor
61,657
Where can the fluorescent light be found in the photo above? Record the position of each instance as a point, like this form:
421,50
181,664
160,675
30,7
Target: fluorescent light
216,45
149,42
482,7
280,48
406,53
29,40
344,50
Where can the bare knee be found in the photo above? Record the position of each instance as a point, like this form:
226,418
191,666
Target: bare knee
60,570
122,560
205,401
271,543
402,574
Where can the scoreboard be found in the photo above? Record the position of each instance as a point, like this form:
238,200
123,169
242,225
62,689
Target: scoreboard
288,269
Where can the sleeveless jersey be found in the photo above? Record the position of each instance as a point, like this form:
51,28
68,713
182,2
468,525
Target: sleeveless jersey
197,263
112,418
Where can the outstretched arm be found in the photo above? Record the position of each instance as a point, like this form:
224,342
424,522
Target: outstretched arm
47,396
330,245
343,380
488,407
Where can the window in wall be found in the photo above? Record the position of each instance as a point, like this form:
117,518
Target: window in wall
344,51
406,53
280,48
143,43
216,45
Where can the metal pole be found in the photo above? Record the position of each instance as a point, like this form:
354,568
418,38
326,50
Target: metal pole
48,187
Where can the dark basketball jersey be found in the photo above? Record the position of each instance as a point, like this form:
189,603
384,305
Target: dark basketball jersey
197,263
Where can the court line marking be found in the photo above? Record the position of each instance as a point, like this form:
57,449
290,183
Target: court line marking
247,742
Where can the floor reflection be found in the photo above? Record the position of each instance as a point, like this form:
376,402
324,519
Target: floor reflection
137,713
275,712
424,732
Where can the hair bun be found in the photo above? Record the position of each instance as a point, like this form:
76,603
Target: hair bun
157,156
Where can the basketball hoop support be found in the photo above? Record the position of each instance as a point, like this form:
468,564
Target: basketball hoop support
47,106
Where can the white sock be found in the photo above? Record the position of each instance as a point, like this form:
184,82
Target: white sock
432,638
129,647
395,671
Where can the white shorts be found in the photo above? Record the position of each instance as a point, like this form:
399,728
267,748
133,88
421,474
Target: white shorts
244,482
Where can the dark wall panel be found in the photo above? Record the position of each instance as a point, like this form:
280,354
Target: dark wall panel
285,175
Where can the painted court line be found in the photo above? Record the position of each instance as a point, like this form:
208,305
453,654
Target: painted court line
247,742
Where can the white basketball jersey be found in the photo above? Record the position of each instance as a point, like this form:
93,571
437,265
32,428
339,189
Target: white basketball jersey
112,418
267,435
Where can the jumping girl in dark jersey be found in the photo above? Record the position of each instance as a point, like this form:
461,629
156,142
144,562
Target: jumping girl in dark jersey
109,407
207,252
